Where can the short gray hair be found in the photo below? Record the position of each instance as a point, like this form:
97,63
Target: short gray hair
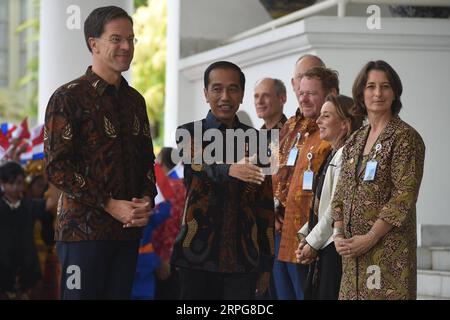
280,88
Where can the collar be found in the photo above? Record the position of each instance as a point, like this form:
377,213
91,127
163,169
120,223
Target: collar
309,124
298,114
390,129
101,85
279,124
12,206
213,123
386,134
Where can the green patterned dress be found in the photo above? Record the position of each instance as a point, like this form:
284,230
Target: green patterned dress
388,270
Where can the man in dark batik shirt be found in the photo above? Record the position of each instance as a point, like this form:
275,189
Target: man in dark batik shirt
225,246
99,153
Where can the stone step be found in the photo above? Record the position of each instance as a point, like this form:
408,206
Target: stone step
435,235
424,258
440,258
431,298
433,258
432,283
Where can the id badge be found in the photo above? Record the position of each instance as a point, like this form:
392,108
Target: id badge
308,177
292,157
371,170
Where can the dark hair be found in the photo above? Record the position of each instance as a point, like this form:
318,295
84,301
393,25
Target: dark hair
361,80
223,65
165,156
346,110
10,170
278,85
94,26
328,77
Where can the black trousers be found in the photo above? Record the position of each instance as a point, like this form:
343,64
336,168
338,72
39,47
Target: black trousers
97,269
205,285
168,289
330,273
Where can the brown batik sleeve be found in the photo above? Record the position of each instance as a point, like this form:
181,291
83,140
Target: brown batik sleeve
63,168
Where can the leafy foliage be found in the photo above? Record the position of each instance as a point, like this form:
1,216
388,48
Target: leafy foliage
140,3
30,79
149,64
10,108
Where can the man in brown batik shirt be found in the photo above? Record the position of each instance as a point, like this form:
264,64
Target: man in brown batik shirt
99,153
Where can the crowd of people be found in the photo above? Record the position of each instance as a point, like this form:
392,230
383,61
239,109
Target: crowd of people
335,220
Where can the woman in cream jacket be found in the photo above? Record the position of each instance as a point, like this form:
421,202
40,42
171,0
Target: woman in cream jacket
336,122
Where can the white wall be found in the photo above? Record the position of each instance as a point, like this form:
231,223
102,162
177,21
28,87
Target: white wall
207,18
418,49
205,23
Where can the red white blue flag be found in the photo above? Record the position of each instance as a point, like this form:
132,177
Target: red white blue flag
21,131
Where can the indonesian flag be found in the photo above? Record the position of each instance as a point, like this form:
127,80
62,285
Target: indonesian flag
37,142
27,155
165,191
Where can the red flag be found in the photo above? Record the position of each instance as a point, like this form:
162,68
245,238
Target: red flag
165,191
22,131
37,142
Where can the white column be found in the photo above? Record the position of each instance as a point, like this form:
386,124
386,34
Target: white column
173,56
63,53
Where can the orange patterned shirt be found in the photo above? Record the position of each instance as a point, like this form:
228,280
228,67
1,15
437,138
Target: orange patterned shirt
288,182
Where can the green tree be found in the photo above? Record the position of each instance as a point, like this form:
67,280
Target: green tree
140,3
11,109
31,28
149,64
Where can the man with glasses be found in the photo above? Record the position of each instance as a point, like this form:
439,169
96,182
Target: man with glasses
99,154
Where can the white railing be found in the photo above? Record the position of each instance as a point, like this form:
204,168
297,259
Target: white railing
341,8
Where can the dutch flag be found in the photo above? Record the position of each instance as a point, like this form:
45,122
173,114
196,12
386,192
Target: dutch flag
37,142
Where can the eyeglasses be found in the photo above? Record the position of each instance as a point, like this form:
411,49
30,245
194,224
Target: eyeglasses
116,40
